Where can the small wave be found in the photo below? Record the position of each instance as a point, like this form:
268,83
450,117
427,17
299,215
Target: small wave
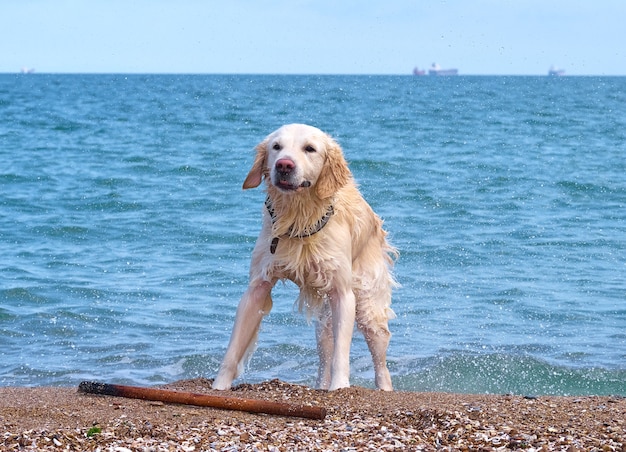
507,374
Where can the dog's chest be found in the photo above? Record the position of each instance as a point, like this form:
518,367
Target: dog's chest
303,264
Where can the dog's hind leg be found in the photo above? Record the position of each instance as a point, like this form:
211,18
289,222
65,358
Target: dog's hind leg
374,326
378,341
254,305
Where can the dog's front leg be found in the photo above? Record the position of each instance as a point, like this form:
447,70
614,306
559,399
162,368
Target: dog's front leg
254,305
324,335
343,310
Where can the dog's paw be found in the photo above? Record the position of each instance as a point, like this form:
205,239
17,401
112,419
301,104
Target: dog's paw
383,380
221,384
339,383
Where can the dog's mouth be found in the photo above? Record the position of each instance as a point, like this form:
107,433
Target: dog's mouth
287,185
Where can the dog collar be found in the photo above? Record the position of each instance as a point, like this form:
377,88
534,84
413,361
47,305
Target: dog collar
317,227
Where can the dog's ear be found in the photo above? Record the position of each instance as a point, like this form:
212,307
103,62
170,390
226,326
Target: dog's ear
335,173
258,171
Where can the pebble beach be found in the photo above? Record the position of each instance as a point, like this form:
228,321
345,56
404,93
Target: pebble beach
61,418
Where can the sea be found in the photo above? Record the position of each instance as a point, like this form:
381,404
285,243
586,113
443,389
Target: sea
125,235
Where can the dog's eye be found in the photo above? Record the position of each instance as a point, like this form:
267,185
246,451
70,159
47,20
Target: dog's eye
310,148
276,147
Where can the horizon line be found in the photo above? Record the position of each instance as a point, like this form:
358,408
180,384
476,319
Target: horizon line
408,74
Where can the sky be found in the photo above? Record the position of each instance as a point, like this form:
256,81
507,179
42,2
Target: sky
477,37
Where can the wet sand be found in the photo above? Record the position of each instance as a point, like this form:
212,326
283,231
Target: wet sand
53,418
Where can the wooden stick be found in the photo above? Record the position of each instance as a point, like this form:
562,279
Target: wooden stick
190,398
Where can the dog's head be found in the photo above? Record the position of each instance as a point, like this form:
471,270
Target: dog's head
299,157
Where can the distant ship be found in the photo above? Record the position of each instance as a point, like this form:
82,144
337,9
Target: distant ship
435,69
27,70
418,71
555,71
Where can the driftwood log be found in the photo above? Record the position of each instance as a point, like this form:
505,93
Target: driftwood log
206,400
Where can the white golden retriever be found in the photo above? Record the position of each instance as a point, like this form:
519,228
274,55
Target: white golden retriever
320,233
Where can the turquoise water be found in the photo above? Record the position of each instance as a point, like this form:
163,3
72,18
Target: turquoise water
125,235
